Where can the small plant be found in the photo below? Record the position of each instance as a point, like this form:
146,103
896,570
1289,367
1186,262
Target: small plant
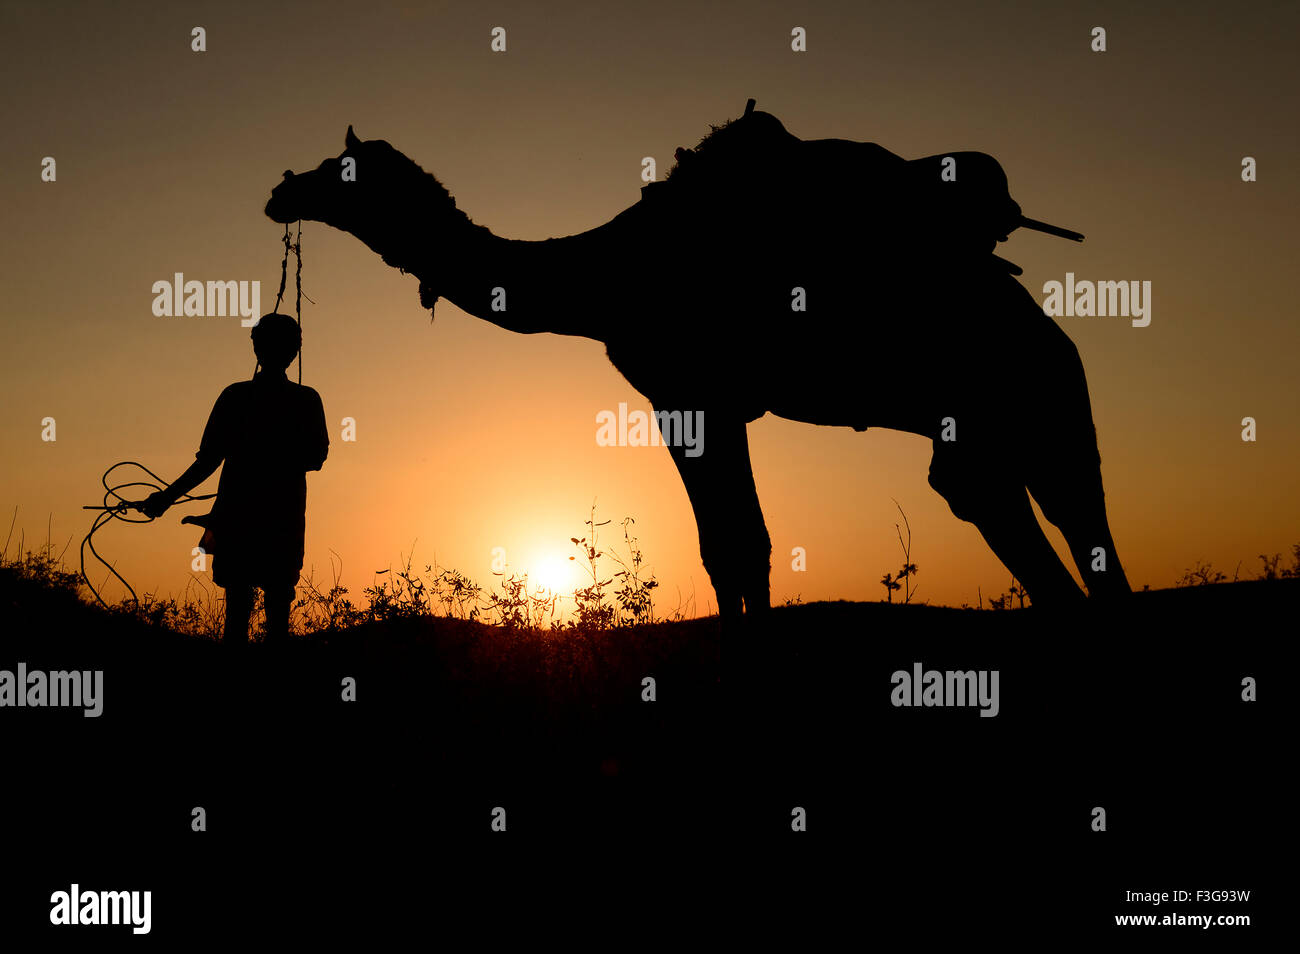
1273,570
518,609
402,596
1014,592
330,611
1293,571
592,613
1203,574
685,608
457,593
903,580
634,595
39,566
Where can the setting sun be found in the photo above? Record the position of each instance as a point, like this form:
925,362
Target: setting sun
556,574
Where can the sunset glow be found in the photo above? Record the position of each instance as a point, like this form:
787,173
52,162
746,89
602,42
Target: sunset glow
469,437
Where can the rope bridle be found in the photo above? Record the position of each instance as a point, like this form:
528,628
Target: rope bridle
294,245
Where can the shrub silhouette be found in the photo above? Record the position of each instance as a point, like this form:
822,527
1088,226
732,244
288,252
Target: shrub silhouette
403,594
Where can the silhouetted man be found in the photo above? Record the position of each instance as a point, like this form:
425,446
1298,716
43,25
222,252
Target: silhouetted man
269,432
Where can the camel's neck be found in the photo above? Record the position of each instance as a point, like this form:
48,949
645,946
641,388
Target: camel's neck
522,286
526,287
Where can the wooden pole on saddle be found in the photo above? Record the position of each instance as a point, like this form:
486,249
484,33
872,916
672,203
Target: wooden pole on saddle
1038,226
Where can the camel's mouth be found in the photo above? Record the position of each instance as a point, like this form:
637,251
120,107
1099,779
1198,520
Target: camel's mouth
279,208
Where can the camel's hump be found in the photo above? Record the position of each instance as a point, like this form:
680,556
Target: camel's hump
959,198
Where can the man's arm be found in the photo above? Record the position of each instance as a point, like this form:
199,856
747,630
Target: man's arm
156,504
197,472
318,440
211,453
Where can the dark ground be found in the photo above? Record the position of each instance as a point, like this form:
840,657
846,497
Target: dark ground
929,817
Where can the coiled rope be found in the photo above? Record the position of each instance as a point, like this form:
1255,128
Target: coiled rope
116,507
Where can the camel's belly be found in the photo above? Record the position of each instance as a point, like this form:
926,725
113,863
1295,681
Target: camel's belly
907,387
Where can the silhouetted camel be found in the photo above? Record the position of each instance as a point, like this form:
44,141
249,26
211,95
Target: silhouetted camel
910,323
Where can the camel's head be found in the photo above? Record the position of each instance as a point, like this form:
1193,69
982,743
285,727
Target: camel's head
368,175
377,194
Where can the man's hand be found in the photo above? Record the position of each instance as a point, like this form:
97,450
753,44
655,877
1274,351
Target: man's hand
156,504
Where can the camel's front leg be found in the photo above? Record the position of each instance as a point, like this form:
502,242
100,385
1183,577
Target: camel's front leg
734,543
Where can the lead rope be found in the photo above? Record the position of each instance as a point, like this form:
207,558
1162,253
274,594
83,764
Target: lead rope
294,245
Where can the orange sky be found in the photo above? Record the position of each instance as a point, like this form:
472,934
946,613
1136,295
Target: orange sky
471,438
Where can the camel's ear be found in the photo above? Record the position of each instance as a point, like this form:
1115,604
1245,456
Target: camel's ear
351,141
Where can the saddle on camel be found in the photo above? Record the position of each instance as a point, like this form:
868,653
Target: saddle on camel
956,204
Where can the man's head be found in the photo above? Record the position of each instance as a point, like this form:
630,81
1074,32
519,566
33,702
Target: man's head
276,340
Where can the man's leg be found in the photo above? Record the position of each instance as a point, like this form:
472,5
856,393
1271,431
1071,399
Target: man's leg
278,600
239,606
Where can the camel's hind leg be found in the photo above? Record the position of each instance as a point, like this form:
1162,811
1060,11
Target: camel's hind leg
999,507
1063,470
1073,499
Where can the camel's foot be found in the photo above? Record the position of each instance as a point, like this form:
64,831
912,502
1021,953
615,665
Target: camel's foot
1106,585
1059,596
730,605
